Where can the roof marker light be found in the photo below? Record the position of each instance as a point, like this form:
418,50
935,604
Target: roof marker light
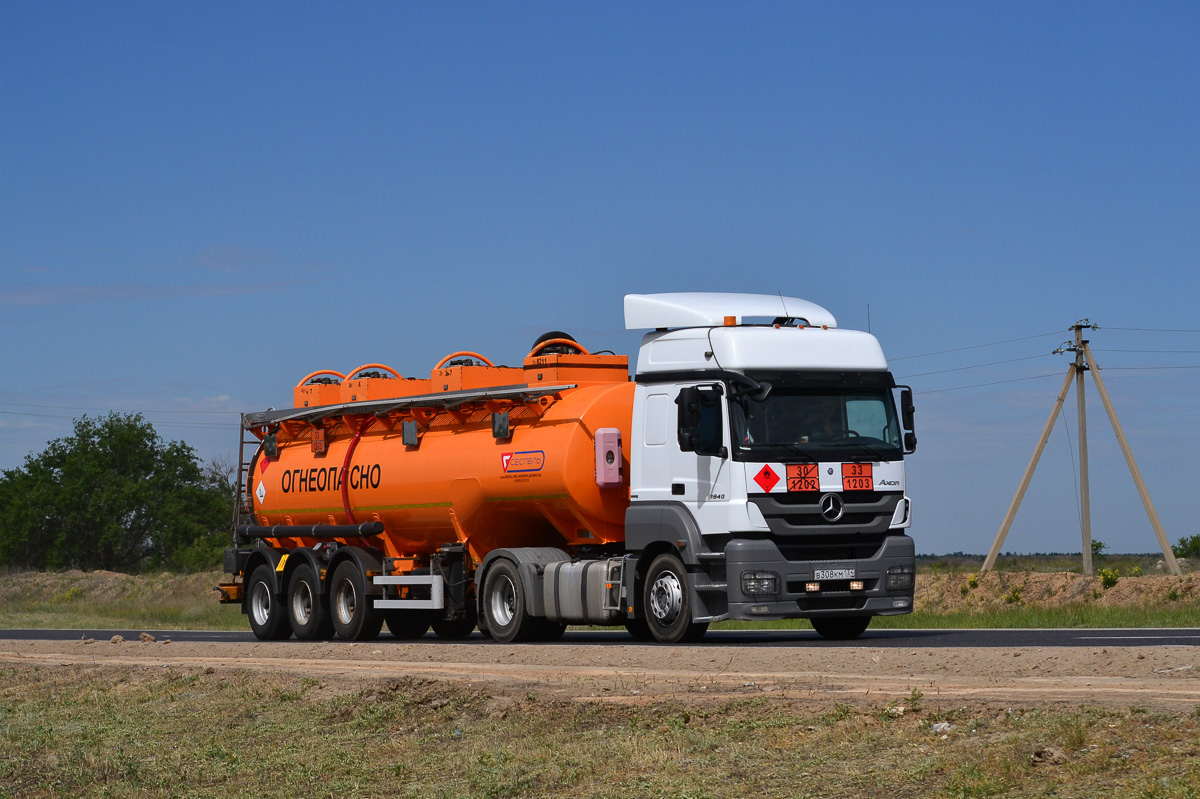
730,321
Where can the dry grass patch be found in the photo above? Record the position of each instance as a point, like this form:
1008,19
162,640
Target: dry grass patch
117,732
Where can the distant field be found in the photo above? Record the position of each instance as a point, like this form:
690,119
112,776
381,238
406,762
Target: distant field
949,594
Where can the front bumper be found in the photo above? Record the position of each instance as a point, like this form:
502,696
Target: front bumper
834,597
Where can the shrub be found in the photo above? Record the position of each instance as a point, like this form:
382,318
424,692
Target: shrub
1188,547
1109,577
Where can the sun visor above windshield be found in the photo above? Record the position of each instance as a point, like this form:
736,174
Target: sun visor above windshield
713,309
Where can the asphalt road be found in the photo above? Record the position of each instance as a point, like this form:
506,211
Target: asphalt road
751,638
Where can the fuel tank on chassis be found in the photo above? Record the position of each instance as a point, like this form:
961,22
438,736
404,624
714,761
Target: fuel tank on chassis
537,488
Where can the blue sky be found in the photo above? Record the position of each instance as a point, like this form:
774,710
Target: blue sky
203,203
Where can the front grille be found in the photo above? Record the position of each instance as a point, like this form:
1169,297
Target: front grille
799,513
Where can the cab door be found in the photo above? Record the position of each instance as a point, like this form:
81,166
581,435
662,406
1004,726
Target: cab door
700,461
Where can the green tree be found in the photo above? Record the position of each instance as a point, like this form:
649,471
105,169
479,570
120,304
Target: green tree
1188,547
113,496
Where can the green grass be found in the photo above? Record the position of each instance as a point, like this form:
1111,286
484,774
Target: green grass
79,600
95,732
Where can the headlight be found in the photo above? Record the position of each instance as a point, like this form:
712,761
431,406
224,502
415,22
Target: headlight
899,578
760,583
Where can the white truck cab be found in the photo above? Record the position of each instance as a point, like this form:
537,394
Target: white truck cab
766,468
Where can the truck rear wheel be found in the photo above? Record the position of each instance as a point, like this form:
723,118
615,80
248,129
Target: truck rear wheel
354,615
307,613
841,628
667,602
407,624
504,608
267,614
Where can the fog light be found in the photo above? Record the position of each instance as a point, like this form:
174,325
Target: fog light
856,585
759,609
812,588
760,583
899,578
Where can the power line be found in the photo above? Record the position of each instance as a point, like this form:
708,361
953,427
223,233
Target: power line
1153,329
1145,368
1154,351
109,410
992,383
192,425
977,346
976,366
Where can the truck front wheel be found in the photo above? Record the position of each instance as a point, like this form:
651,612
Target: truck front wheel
667,602
841,628
354,615
268,616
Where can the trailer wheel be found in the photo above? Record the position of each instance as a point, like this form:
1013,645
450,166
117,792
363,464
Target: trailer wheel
841,628
455,629
667,602
268,616
407,624
354,615
504,609
308,614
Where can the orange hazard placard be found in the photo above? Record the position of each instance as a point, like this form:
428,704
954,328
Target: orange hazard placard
856,477
803,477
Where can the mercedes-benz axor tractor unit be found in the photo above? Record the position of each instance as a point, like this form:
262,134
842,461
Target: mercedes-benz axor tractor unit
752,468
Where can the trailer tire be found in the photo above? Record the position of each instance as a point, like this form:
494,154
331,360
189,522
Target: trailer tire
267,614
308,614
841,628
667,602
352,611
504,608
455,629
407,624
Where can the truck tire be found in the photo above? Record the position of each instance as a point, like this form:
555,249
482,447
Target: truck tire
407,624
667,602
307,613
268,615
841,628
504,608
639,629
352,611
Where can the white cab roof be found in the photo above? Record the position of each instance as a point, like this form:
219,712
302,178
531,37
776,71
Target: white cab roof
709,309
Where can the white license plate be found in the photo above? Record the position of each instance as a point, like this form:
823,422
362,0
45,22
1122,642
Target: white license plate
833,574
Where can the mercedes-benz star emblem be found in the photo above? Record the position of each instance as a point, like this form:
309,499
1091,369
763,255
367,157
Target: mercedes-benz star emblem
831,507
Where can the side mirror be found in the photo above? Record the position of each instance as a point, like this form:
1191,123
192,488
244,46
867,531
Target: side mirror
906,418
689,418
270,446
906,408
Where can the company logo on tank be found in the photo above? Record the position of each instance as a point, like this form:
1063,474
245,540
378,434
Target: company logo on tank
530,461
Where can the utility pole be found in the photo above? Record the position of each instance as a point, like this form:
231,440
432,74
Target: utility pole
1084,362
1085,503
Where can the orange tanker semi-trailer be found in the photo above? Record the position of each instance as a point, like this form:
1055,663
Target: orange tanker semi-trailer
383,499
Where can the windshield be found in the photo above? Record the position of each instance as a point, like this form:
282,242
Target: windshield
816,424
